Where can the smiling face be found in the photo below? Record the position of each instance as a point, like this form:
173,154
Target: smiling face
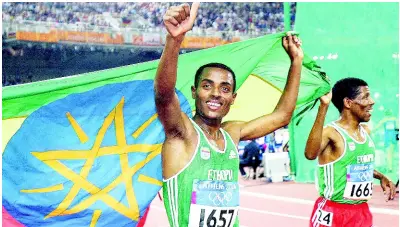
352,96
214,93
362,105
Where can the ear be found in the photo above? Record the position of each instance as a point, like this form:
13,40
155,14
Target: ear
193,92
347,103
233,99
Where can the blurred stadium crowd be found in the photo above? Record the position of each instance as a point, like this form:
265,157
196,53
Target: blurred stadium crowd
265,17
29,61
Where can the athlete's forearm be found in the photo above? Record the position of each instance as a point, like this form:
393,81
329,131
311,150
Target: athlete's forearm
167,69
314,142
378,175
287,102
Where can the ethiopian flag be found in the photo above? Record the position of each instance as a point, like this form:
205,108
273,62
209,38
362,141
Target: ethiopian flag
85,150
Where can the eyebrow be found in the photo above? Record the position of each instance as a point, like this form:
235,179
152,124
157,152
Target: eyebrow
226,83
212,82
207,80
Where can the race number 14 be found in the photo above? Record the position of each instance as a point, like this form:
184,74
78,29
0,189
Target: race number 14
216,218
324,218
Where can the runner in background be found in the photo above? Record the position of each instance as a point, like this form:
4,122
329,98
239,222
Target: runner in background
346,154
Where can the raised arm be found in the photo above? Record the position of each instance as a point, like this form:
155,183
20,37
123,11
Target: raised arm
318,138
177,20
284,109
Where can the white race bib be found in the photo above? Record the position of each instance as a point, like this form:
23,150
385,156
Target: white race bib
206,216
359,182
324,218
214,204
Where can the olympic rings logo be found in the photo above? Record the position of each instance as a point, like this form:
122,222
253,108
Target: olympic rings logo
220,198
365,176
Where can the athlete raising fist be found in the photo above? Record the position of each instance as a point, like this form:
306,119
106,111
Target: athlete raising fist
199,155
179,19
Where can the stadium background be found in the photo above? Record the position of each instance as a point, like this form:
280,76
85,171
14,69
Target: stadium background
346,39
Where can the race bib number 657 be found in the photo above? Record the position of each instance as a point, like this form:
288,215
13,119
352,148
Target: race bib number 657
214,204
212,217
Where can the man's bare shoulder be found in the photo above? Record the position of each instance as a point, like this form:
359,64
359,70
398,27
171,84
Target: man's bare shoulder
186,133
233,128
232,124
330,132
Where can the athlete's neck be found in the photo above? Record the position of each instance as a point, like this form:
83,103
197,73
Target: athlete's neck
349,121
211,125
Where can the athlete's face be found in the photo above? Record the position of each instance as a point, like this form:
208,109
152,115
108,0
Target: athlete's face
214,93
361,106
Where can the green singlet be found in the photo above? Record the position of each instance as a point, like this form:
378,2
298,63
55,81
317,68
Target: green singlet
349,179
205,193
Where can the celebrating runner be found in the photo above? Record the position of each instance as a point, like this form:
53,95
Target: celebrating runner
346,155
200,158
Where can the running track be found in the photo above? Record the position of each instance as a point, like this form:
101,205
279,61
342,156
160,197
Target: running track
285,204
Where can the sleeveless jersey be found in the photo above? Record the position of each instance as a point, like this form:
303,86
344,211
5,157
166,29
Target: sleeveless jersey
349,179
206,191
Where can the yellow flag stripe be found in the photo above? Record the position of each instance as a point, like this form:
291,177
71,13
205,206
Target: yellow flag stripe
149,180
95,218
78,130
84,154
130,194
266,81
9,127
124,161
137,133
53,188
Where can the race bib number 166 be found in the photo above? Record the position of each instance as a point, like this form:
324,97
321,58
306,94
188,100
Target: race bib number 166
359,182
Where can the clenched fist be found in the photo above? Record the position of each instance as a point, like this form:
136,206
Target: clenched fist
179,19
326,99
292,45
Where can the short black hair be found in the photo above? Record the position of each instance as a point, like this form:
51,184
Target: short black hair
346,88
213,65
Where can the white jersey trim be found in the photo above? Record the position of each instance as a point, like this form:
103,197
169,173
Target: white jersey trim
354,140
369,137
230,138
216,149
329,181
173,201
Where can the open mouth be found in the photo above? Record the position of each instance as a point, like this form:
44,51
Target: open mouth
214,105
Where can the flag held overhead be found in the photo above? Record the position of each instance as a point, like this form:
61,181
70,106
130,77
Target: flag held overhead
85,150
